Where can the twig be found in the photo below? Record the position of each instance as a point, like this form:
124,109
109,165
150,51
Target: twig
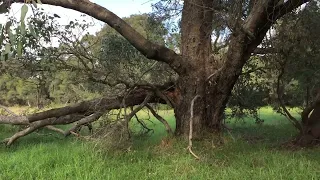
191,127
141,122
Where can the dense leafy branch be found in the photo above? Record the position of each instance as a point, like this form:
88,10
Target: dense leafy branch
146,47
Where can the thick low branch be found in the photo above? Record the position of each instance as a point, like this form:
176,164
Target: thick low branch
146,47
87,107
84,112
14,120
165,98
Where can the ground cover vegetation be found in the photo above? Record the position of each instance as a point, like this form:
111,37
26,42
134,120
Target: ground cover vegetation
253,152
192,75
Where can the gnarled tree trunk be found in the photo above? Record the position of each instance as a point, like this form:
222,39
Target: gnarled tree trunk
207,76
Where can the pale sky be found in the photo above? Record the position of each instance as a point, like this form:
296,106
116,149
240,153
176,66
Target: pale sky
122,8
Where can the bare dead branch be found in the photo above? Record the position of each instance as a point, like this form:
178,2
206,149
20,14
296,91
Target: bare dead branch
161,119
132,113
52,128
213,74
305,113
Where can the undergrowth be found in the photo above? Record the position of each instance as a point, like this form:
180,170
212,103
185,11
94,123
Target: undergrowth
250,151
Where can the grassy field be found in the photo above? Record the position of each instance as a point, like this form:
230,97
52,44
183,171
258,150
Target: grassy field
250,151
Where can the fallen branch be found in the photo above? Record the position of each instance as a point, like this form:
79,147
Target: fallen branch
89,119
86,107
82,112
191,127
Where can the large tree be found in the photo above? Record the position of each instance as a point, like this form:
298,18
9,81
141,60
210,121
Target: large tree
206,74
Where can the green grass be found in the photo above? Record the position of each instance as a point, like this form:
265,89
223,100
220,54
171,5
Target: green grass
255,154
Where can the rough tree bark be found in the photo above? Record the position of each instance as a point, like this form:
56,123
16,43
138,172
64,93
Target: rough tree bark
199,72
310,123
211,78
